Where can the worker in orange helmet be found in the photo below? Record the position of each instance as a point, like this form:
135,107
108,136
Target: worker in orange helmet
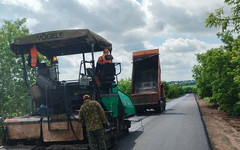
100,63
92,114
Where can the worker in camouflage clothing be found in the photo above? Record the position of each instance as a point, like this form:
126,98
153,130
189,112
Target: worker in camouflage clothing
92,114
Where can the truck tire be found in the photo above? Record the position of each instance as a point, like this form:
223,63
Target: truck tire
163,102
158,107
164,106
139,111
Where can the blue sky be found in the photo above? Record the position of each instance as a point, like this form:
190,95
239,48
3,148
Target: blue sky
176,27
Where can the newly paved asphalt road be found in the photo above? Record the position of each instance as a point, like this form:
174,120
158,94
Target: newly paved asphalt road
179,128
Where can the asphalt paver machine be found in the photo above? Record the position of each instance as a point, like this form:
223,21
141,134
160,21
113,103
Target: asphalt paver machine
53,119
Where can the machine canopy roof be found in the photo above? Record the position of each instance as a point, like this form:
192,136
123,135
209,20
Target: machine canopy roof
62,42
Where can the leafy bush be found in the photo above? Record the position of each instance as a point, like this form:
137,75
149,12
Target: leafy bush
172,91
125,86
218,71
189,90
13,93
217,76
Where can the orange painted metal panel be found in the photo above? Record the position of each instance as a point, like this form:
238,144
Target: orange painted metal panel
145,53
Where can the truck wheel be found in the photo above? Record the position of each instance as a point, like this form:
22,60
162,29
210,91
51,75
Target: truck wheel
139,111
164,106
158,108
164,103
127,131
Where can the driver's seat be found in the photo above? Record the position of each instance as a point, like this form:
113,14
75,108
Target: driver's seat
108,75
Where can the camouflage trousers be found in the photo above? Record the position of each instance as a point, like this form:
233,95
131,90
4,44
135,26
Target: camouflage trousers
96,140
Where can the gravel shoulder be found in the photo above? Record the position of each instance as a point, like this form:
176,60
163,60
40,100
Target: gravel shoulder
223,130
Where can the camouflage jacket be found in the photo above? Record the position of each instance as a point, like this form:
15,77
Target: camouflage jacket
92,114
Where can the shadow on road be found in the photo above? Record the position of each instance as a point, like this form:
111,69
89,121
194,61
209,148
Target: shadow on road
173,114
127,142
148,113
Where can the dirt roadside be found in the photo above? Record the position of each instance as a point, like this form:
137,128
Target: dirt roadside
223,130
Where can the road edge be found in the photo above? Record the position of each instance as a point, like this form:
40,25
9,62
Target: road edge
204,125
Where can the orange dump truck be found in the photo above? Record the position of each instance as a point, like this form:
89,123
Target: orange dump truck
147,92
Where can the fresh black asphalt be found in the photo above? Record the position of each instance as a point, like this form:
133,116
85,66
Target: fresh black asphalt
178,128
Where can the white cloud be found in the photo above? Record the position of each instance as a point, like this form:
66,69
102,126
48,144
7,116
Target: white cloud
33,5
175,26
31,22
180,16
148,45
181,45
195,7
90,5
178,56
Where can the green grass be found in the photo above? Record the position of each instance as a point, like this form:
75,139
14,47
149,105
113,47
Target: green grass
187,86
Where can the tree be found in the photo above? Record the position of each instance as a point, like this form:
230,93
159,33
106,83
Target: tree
14,98
229,24
172,91
189,90
218,71
217,78
125,86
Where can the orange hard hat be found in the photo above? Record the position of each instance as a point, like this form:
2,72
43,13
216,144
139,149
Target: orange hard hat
105,50
86,96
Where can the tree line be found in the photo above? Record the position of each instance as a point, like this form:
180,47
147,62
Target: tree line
183,83
171,91
218,70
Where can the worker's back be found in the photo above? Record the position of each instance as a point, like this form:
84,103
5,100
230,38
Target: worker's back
92,114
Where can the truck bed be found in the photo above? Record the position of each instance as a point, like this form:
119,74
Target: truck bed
145,79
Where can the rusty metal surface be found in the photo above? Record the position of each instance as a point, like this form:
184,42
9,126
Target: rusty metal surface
141,99
24,131
62,135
